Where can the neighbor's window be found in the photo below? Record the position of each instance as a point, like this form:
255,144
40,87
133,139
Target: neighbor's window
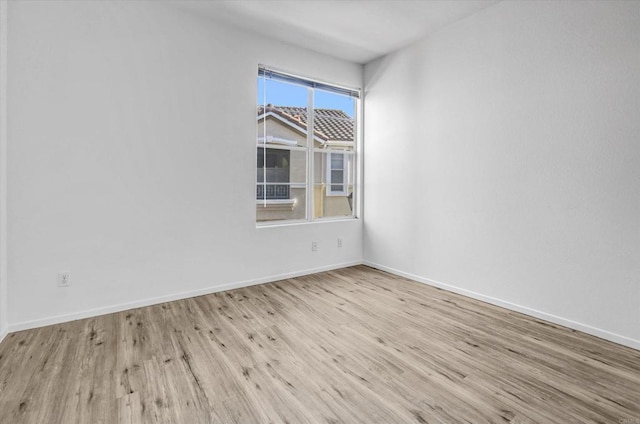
273,167
337,174
306,148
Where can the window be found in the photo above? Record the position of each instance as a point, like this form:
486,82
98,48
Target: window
337,174
306,148
275,169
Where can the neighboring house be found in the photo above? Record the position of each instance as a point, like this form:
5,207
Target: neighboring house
282,163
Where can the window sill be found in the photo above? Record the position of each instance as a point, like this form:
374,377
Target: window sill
293,222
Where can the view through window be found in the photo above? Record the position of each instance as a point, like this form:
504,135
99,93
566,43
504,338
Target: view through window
304,174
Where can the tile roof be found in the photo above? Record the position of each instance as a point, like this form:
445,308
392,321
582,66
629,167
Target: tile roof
329,124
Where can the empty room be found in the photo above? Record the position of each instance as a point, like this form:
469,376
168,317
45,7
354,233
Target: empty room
319,211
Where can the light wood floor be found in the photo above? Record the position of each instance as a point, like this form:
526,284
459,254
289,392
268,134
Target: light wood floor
355,345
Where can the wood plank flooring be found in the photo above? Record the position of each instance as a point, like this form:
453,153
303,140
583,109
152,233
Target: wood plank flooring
355,345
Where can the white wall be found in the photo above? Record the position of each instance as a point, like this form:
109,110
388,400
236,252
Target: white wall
4,324
131,159
502,161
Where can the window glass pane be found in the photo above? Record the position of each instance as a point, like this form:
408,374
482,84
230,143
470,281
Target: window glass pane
336,176
334,152
281,186
273,170
296,135
284,109
281,158
276,209
337,161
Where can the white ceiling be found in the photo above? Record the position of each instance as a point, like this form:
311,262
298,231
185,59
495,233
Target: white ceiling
355,30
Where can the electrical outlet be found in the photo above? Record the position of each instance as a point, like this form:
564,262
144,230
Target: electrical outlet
314,246
339,242
64,279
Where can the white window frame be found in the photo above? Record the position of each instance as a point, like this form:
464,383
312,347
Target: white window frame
348,168
345,175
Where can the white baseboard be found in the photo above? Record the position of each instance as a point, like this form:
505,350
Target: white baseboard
25,325
603,334
616,338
